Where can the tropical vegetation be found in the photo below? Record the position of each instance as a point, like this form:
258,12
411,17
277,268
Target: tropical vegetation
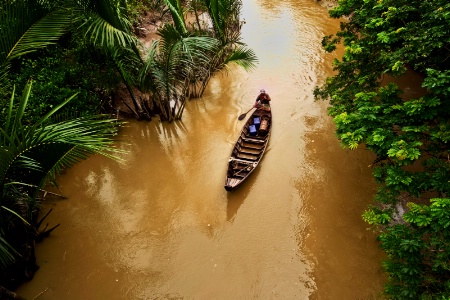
382,41
31,156
71,58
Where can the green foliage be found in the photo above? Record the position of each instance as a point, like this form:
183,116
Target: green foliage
224,15
26,26
177,16
59,73
181,63
418,254
33,153
376,216
171,62
383,39
101,25
105,23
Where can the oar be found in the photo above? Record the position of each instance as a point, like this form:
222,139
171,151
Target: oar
243,115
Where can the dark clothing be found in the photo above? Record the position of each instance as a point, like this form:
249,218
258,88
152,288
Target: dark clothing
263,98
263,102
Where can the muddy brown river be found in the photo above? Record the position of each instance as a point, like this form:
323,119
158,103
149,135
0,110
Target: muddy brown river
161,225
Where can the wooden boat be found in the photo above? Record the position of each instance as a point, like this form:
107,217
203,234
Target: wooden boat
249,148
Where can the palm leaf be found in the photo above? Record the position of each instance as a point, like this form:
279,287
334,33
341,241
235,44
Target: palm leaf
244,57
106,24
15,214
26,26
43,149
22,105
99,32
177,15
218,12
127,62
114,12
145,79
53,111
10,109
6,252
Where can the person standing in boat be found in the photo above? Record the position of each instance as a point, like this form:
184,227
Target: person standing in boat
262,101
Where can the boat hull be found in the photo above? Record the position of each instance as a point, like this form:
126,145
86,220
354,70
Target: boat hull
249,148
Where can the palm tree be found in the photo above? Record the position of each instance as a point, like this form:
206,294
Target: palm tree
28,25
224,16
181,64
33,154
170,66
105,24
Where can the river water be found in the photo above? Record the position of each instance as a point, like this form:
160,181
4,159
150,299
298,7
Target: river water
161,225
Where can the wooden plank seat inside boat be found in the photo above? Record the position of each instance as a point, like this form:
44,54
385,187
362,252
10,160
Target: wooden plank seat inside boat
240,161
253,140
249,150
246,156
251,145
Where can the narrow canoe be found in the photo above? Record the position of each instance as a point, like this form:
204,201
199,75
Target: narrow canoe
249,148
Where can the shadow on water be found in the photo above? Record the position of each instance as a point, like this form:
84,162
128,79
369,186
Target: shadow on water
171,131
237,197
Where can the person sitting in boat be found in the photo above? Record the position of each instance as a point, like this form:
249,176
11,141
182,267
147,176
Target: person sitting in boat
263,101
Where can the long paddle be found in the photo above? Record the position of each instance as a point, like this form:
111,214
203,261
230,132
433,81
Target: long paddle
244,114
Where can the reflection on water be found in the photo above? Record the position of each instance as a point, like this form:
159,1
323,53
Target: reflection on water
161,225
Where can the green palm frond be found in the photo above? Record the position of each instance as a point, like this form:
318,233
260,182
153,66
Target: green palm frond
43,149
6,252
15,214
145,82
27,25
177,15
61,145
105,23
244,57
127,62
216,17
154,76
114,12
169,37
100,32
171,60
174,58
10,110
224,15
199,49
180,51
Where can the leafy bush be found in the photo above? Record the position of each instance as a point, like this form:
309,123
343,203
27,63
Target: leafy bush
59,73
409,135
